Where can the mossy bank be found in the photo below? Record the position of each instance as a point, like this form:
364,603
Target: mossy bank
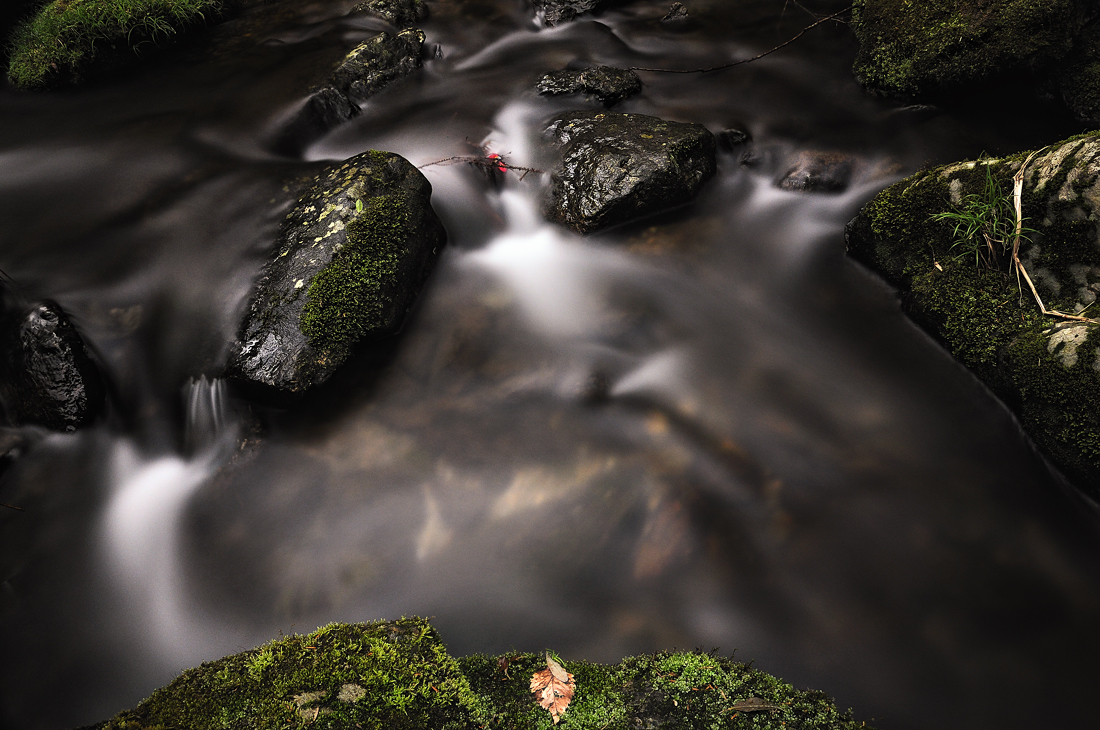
398,674
939,49
1046,369
68,41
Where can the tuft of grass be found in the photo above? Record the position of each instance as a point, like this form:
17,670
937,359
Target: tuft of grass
985,223
67,40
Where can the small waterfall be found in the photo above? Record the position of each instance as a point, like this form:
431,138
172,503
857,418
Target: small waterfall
142,520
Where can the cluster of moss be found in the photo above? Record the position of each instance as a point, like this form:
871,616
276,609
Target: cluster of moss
398,675
934,48
982,314
349,299
69,39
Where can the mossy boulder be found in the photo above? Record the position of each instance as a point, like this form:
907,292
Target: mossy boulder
47,376
616,168
398,675
936,49
68,41
1046,369
352,258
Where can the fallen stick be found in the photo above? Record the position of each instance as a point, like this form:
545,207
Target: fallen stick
1018,204
803,32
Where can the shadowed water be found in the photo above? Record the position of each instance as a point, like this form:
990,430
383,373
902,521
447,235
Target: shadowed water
708,429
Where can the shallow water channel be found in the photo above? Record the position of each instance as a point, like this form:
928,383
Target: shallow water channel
708,429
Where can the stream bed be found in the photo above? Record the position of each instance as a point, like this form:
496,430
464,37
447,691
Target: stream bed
705,429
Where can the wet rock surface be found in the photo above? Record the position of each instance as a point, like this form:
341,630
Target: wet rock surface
608,84
352,257
554,12
47,377
617,168
1045,368
818,172
402,13
367,69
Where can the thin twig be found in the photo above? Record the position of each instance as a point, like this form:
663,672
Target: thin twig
12,506
803,32
485,162
1018,204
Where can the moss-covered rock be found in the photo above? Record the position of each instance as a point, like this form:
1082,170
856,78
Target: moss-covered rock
353,255
932,49
398,674
1046,369
67,41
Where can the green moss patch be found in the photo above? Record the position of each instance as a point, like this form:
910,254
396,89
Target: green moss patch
350,297
926,49
397,675
68,40
1046,369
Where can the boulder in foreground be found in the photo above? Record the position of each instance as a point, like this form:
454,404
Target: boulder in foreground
617,168
398,675
351,260
1045,368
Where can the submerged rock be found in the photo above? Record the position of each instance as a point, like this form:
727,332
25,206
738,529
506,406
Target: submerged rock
939,48
619,167
47,377
351,260
560,11
1045,368
608,84
402,13
399,675
820,172
677,12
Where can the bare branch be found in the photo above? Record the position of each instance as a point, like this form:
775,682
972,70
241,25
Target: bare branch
803,32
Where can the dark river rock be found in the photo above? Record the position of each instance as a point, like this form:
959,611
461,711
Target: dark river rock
708,428
609,85
824,172
554,12
402,13
47,377
617,168
353,255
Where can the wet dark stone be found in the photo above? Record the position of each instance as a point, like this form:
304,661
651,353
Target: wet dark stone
560,11
47,377
729,139
620,167
352,257
608,84
818,172
402,13
676,13
377,62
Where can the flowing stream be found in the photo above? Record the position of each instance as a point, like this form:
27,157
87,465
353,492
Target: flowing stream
706,429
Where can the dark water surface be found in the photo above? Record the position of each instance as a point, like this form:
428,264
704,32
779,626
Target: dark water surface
709,429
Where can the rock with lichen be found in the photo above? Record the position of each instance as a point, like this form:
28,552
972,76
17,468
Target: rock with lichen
1045,368
47,376
608,84
402,13
351,259
554,12
368,68
940,49
616,168
399,675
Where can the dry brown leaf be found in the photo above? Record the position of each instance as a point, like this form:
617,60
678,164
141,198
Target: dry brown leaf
553,687
752,704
